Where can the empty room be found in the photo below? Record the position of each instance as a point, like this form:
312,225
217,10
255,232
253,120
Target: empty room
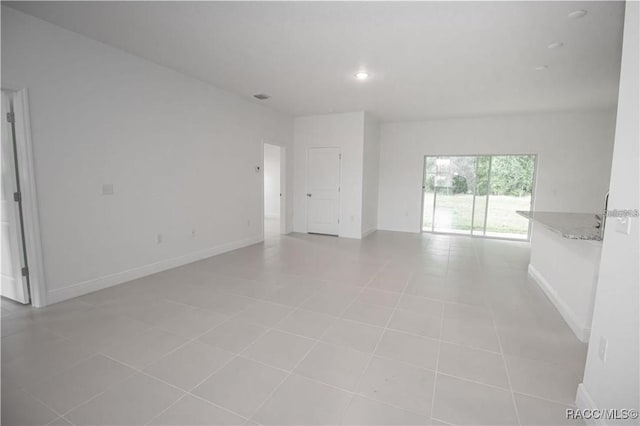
320,213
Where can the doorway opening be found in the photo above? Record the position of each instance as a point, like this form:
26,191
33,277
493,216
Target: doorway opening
478,195
274,209
22,270
15,279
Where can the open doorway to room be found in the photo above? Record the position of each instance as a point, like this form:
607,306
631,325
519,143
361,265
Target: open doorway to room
22,271
478,195
15,280
273,209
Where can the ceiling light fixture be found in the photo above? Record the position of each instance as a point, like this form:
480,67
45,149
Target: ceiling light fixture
555,45
261,96
542,68
362,75
577,14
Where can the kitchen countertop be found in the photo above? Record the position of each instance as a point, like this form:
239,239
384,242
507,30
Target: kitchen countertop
575,226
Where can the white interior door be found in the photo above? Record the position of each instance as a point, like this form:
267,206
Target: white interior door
323,190
14,285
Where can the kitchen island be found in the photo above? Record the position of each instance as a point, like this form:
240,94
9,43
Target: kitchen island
565,260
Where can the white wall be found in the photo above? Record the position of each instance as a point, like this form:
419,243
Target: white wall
345,131
574,158
181,155
271,181
371,159
614,383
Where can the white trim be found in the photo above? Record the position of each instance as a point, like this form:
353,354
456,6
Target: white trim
405,230
271,216
585,402
283,190
24,144
369,232
581,332
100,283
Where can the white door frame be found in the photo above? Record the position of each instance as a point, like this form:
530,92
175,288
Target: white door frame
24,151
283,186
15,286
283,190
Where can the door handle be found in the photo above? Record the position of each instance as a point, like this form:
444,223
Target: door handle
308,195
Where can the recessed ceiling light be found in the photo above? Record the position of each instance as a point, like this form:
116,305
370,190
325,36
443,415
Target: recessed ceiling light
362,75
261,96
577,14
542,68
555,45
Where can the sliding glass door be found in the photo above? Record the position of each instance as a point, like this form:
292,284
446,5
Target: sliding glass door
445,179
478,195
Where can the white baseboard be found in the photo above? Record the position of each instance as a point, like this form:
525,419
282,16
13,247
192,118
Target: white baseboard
585,402
581,332
369,232
404,230
100,283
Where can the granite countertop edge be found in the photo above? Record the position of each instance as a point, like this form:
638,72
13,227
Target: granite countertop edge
573,226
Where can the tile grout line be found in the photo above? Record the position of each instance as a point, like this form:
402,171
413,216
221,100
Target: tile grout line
236,355
74,365
239,355
357,382
345,390
435,376
366,286
136,370
384,330
291,372
506,369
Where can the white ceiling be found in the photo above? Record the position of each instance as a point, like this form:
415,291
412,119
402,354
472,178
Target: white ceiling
426,59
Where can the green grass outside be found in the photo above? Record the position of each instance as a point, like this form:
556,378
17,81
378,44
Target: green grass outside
453,213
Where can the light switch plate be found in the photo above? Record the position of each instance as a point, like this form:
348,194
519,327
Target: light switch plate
602,349
623,225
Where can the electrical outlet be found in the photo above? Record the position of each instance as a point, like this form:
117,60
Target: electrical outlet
107,189
623,225
193,233
602,349
159,238
249,223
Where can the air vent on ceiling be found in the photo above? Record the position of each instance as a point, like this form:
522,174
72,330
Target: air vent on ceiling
261,96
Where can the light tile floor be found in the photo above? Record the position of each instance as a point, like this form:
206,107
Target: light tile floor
394,329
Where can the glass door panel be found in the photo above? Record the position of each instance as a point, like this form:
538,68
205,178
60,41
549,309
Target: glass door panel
511,189
454,192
